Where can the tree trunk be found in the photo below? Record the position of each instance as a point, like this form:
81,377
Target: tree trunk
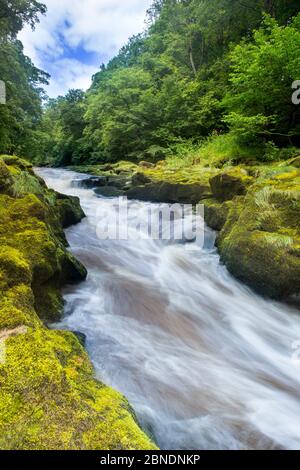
192,61
269,6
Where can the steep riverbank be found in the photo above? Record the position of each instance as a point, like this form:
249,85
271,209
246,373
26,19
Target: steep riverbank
49,398
255,208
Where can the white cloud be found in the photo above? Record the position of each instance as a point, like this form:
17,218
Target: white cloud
96,26
70,73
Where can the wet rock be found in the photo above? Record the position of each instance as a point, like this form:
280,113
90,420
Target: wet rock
70,210
72,271
109,191
215,213
259,242
81,337
170,193
90,183
228,184
119,182
139,179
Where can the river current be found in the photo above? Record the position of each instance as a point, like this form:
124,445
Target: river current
204,361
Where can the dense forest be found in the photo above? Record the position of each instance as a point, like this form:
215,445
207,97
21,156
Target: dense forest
201,68
20,118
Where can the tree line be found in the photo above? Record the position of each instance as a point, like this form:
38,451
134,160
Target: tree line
200,68
21,116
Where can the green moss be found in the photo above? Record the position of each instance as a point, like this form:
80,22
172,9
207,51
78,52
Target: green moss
49,398
259,242
69,208
55,403
216,213
230,183
14,269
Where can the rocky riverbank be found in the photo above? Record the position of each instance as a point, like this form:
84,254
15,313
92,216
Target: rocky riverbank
254,207
49,398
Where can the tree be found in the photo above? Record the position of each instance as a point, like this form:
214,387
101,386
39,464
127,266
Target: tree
20,116
259,101
14,14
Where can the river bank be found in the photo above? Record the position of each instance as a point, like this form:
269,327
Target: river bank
49,398
255,208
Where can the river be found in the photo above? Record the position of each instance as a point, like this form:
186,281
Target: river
205,362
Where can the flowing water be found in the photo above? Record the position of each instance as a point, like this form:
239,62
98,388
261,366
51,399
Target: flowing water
205,363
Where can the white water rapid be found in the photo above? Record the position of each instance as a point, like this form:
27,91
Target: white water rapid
205,362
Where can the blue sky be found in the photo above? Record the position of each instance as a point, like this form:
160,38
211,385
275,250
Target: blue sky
77,36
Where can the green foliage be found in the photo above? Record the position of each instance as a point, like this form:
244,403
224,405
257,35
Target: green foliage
61,130
14,14
199,68
258,101
20,116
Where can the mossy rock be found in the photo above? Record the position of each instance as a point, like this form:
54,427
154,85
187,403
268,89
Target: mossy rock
5,178
169,193
139,179
109,191
12,160
228,184
119,182
49,398
260,242
215,213
70,210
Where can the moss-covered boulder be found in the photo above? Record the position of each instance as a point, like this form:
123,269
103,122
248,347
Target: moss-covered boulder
70,210
260,242
215,213
229,183
49,398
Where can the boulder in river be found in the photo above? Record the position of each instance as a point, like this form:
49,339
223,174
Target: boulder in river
170,192
109,191
90,183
